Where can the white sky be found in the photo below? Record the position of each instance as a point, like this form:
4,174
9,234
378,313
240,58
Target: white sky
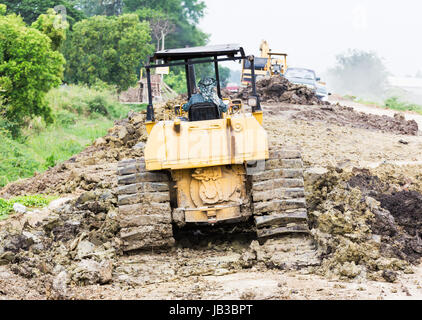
312,32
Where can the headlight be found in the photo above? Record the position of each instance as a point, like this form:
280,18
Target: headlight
252,101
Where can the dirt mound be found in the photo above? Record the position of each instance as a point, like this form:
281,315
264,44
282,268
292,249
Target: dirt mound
279,89
352,223
74,241
347,116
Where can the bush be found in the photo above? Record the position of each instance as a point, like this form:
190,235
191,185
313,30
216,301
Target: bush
98,105
69,102
176,81
395,104
109,49
64,118
29,68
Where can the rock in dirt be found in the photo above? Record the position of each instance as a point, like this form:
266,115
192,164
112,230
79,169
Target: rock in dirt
85,249
92,272
19,208
389,275
59,288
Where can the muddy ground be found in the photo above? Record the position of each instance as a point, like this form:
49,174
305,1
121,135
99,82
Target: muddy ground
367,246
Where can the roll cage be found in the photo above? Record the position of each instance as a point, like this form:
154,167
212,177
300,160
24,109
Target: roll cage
188,57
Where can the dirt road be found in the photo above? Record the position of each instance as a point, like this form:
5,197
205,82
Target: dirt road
216,269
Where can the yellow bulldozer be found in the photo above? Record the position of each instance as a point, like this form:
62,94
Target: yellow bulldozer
268,64
206,167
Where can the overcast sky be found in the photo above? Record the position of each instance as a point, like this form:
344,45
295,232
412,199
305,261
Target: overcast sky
312,32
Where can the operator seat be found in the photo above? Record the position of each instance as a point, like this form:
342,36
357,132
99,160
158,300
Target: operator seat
204,111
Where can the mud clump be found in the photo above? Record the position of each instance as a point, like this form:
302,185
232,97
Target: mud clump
74,243
347,116
405,208
352,223
279,89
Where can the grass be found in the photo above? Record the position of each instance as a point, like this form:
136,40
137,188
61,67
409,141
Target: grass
80,115
58,144
393,103
33,201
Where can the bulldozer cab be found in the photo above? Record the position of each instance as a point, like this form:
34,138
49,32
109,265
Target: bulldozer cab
204,135
278,63
189,57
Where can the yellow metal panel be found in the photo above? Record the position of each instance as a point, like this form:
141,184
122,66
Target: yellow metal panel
149,125
258,116
205,143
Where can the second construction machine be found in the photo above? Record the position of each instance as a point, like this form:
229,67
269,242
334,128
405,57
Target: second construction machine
206,167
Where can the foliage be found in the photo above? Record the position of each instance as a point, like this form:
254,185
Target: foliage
30,10
74,128
176,81
224,76
359,73
32,201
183,14
52,25
101,7
188,10
15,160
109,49
395,104
70,102
29,68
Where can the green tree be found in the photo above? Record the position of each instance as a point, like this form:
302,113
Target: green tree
52,25
101,7
29,68
359,73
183,14
30,10
190,10
224,76
109,49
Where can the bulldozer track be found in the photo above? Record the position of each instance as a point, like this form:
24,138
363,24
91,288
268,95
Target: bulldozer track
145,213
144,207
278,195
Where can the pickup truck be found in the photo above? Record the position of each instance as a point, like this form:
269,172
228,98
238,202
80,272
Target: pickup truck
308,78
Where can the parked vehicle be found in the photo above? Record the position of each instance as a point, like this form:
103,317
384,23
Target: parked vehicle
308,78
232,87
